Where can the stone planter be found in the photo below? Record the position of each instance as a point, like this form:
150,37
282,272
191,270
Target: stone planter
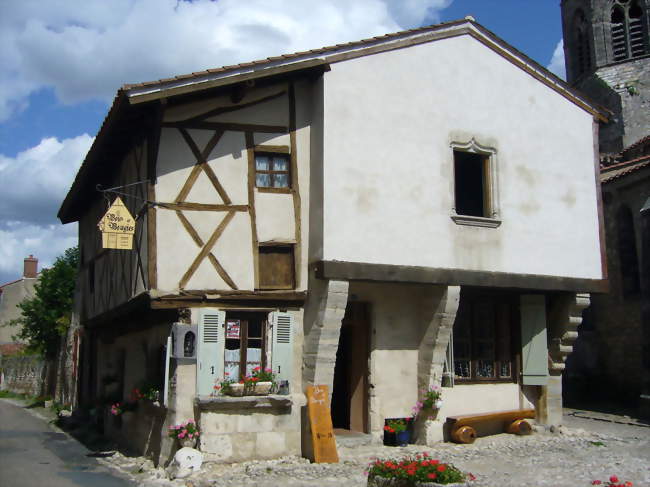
259,389
384,482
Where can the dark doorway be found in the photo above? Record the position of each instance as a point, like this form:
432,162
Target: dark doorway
350,390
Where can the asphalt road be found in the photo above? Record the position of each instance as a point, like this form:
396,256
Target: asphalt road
34,454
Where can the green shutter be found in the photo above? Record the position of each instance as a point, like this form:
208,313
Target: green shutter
282,350
533,340
209,363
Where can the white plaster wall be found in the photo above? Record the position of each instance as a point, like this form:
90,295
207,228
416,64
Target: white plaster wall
481,398
275,217
399,315
388,187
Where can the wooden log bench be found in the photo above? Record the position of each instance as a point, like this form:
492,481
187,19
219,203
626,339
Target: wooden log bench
514,421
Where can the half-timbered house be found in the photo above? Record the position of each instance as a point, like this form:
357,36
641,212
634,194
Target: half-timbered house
416,209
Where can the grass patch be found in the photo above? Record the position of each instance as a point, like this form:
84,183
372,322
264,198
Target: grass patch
11,395
597,443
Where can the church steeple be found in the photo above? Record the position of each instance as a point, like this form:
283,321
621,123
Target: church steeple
607,55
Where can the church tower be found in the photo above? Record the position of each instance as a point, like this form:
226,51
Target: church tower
607,52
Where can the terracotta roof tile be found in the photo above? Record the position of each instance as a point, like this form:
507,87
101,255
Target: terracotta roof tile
621,169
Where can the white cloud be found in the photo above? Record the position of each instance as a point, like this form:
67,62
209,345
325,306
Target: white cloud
35,183
86,49
556,65
18,240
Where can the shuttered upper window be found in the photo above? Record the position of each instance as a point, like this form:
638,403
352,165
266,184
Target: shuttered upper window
276,267
629,34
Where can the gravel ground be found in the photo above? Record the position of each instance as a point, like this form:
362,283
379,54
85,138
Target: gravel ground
585,449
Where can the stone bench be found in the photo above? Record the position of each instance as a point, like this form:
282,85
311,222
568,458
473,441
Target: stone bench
514,422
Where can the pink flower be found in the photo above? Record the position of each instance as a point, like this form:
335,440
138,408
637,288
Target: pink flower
181,435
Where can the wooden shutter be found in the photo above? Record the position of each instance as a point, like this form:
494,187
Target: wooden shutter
533,340
210,351
282,348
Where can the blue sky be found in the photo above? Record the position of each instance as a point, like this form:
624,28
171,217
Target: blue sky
63,60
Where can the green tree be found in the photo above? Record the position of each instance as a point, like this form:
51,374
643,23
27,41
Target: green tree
46,317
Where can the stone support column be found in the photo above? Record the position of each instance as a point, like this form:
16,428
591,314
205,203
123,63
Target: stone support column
324,312
432,354
564,315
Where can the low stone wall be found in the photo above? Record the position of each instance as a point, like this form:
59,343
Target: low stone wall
247,428
140,432
24,374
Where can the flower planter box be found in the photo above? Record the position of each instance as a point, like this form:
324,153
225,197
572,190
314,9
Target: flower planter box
259,389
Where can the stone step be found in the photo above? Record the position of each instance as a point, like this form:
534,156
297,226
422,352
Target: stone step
351,439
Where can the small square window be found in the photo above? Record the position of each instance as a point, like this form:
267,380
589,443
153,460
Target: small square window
276,267
272,171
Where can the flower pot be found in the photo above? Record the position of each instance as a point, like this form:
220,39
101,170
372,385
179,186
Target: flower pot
403,437
187,442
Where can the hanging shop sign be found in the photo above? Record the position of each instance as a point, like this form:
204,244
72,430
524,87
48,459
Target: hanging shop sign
117,227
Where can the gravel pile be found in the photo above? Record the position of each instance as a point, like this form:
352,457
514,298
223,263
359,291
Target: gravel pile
565,457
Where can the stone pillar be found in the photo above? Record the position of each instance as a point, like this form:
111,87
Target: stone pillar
432,354
324,312
564,315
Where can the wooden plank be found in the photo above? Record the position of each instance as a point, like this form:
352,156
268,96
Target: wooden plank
186,206
221,110
250,151
196,169
467,419
206,249
279,149
202,164
152,159
199,242
295,186
235,127
320,420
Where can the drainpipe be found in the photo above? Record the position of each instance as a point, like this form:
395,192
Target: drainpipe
644,400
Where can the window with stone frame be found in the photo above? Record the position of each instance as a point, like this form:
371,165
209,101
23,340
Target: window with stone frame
245,347
475,180
484,337
629,30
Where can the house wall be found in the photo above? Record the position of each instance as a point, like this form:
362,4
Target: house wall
119,275
269,217
615,319
389,120
234,430
11,296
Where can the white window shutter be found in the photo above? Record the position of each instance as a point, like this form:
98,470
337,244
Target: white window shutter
282,348
209,363
534,347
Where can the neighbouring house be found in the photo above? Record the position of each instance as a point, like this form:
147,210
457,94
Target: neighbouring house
11,295
607,51
21,374
415,209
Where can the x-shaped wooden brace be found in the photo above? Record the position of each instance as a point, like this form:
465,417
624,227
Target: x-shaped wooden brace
206,248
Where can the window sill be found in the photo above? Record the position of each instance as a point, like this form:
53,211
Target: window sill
271,403
274,190
476,221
